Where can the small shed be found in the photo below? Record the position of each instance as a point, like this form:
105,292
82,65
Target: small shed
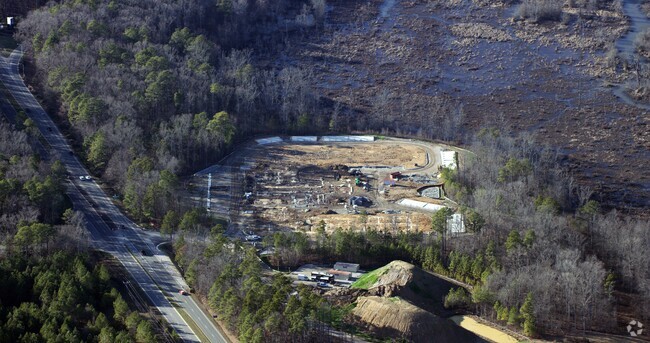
346,267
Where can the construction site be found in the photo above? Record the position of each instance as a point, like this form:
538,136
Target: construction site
311,183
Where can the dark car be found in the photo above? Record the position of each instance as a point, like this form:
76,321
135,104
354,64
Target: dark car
144,252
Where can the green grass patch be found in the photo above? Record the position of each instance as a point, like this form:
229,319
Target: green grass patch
7,44
368,279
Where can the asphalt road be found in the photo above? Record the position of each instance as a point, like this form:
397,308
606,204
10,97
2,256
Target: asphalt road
110,230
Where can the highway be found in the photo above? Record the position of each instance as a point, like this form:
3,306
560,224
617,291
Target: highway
110,230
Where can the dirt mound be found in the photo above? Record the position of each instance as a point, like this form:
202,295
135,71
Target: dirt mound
396,317
403,301
398,273
409,282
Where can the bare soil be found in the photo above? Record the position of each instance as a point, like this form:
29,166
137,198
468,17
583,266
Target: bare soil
352,155
395,317
298,186
403,298
381,222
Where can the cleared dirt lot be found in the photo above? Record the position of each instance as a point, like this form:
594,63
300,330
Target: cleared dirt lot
347,185
384,154
403,221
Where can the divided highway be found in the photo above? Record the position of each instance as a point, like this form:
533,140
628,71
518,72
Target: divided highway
110,230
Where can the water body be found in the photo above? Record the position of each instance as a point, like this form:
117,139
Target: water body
386,7
639,22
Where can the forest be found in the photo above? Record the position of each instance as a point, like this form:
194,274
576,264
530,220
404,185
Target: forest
51,289
256,307
63,298
150,91
154,89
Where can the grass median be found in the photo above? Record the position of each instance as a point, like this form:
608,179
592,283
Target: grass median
188,319
202,337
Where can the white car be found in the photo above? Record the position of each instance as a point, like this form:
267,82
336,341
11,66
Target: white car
253,238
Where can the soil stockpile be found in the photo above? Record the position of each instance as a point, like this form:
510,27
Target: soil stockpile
398,318
409,282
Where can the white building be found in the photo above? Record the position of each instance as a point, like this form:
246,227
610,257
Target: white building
449,159
455,224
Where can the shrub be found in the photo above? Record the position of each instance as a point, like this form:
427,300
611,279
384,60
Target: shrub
642,42
540,10
457,298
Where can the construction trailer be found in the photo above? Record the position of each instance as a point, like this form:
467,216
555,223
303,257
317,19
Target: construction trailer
322,277
340,275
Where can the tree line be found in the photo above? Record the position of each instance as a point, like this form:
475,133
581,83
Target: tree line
550,238
50,290
63,298
255,304
150,90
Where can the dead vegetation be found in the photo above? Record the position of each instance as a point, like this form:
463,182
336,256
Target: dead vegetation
421,61
480,31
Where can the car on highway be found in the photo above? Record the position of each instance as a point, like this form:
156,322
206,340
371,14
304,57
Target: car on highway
144,252
183,292
322,284
85,178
